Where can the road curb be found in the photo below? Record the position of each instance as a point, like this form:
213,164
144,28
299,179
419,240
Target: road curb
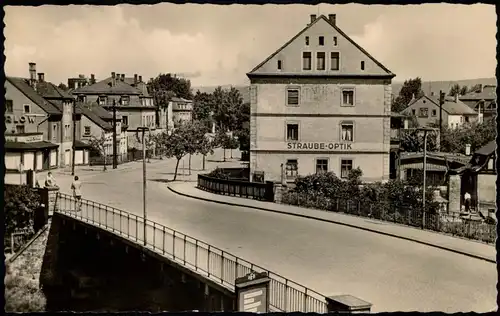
338,223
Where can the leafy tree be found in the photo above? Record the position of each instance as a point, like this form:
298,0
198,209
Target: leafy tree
456,89
20,203
63,87
179,87
475,134
223,140
205,147
99,145
411,87
475,88
202,106
243,138
412,140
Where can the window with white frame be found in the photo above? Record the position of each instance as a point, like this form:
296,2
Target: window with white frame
292,96
86,131
347,131
125,100
345,168
348,97
102,100
291,168
27,108
321,165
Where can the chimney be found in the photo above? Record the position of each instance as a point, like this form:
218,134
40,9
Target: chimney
135,79
92,79
313,18
41,77
113,78
467,149
332,18
32,69
432,93
140,78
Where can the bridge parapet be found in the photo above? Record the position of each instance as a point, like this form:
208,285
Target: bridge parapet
201,258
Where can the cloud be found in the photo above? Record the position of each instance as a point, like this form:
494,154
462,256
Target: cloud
219,44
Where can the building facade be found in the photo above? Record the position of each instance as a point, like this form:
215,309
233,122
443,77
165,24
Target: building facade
182,110
483,101
320,103
132,103
454,112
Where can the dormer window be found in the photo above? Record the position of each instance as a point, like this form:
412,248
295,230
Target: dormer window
102,100
125,100
321,40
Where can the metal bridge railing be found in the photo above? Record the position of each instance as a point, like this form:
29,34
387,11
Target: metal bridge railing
208,261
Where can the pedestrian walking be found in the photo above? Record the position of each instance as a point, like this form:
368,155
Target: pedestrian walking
76,186
467,202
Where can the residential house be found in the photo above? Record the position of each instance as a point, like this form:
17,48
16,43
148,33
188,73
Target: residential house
320,103
97,124
483,101
182,110
454,112
478,178
134,107
39,131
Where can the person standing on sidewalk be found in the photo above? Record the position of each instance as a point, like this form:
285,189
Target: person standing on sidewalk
76,186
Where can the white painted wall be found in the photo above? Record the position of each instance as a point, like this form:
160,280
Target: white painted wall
39,160
29,160
79,157
12,161
53,157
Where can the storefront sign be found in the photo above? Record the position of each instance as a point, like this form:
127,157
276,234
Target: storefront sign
19,119
252,291
24,138
319,146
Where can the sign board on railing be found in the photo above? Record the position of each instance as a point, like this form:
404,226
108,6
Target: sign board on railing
252,292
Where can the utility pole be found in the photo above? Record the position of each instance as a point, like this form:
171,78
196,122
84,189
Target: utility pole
115,155
74,139
425,130
441,102
143,130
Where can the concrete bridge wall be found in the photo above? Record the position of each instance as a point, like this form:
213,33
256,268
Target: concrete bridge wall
86,268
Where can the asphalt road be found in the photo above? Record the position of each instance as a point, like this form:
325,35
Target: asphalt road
393,274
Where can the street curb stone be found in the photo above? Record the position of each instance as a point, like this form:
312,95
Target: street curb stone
338,223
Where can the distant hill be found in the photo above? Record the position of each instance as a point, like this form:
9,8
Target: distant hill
244,90
427,86
436,86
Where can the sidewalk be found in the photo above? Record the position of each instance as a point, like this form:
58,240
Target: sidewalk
469,248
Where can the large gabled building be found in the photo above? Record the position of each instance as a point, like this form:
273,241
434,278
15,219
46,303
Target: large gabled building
483,101
320,103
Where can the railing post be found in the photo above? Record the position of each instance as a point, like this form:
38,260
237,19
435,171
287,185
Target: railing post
208,260
136,229
173,244
154,235
196,255
222,267
163,242
184,249
305,300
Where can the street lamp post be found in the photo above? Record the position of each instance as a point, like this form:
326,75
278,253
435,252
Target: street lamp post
425,130
143,130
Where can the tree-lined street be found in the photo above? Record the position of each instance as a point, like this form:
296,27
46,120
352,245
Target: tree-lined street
392,274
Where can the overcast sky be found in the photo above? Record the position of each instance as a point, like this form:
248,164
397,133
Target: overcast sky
214,45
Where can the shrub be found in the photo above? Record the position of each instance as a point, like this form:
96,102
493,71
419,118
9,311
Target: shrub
20,205
219,174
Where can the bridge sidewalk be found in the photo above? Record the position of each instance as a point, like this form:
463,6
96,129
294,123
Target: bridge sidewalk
458,245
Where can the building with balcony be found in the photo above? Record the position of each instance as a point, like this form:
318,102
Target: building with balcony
454,112
483,101
320,103
132,103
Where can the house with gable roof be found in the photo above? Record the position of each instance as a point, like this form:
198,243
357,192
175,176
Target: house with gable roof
454,112
132,103
483,101
320,103
39,127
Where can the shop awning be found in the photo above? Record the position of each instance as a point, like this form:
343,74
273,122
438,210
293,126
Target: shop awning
81,145
17,146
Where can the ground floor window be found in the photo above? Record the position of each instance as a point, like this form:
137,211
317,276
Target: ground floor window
292,168
321,165
345,167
